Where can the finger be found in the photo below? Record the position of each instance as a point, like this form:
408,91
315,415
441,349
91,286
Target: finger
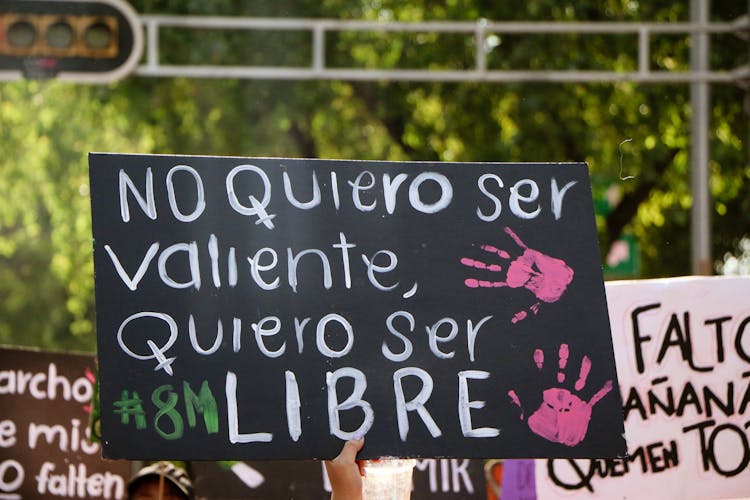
601,393
500,253
539,358
515,238
475,283
583,375
350,449
480,265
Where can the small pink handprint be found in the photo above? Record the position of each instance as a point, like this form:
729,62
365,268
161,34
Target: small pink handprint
562,416
546,277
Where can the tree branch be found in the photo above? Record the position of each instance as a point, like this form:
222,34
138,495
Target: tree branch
394,123
304,140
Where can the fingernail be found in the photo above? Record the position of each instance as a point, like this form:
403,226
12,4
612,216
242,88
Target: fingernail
358,435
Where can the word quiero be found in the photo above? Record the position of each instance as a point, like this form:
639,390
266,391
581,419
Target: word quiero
270,340
364,191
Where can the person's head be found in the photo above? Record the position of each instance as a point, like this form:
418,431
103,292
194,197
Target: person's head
161,477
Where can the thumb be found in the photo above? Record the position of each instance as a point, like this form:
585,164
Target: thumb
351,448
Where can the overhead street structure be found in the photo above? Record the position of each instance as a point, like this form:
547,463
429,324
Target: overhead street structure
700,76
319,69
19,59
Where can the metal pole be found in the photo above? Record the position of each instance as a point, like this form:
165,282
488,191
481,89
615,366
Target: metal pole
699,150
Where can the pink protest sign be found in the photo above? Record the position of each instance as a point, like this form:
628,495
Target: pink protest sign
683,357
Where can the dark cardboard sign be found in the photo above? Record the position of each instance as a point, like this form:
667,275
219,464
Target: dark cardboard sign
256,308
45,450
438,479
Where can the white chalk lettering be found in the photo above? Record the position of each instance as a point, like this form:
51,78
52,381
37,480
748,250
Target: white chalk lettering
232,267
10,468
17,382
373,268
232,423
516,198
524,191
452,474
345,246
558,195
460,472
446,193
236,334
191,249
495,200
293,404
408,347
157,352
353,401
132,283
51,434
256,268
472,332
213,252
147,204
434,339
261,331
200,203
357,186
314,202
293,261
180,265
320,336
416,404
299,329
465,405
257,206
76,483
65,439
7,435
335,190
390,189
194,338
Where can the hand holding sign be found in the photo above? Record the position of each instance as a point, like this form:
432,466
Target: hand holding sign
345,473
546,277
563,417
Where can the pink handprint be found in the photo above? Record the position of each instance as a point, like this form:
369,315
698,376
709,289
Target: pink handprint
546,277
562,416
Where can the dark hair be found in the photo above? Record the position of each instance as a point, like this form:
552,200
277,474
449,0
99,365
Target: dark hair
176,476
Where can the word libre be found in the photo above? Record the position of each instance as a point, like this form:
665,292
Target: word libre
172,409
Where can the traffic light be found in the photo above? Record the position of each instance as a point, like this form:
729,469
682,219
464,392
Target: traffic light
78,40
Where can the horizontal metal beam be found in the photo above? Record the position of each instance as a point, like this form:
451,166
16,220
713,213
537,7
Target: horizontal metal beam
481,29
417,75
540,27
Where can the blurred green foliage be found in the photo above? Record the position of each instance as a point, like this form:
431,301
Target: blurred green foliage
624,129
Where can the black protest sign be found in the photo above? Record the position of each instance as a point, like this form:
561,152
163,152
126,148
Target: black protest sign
437,479
45,450
256,308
